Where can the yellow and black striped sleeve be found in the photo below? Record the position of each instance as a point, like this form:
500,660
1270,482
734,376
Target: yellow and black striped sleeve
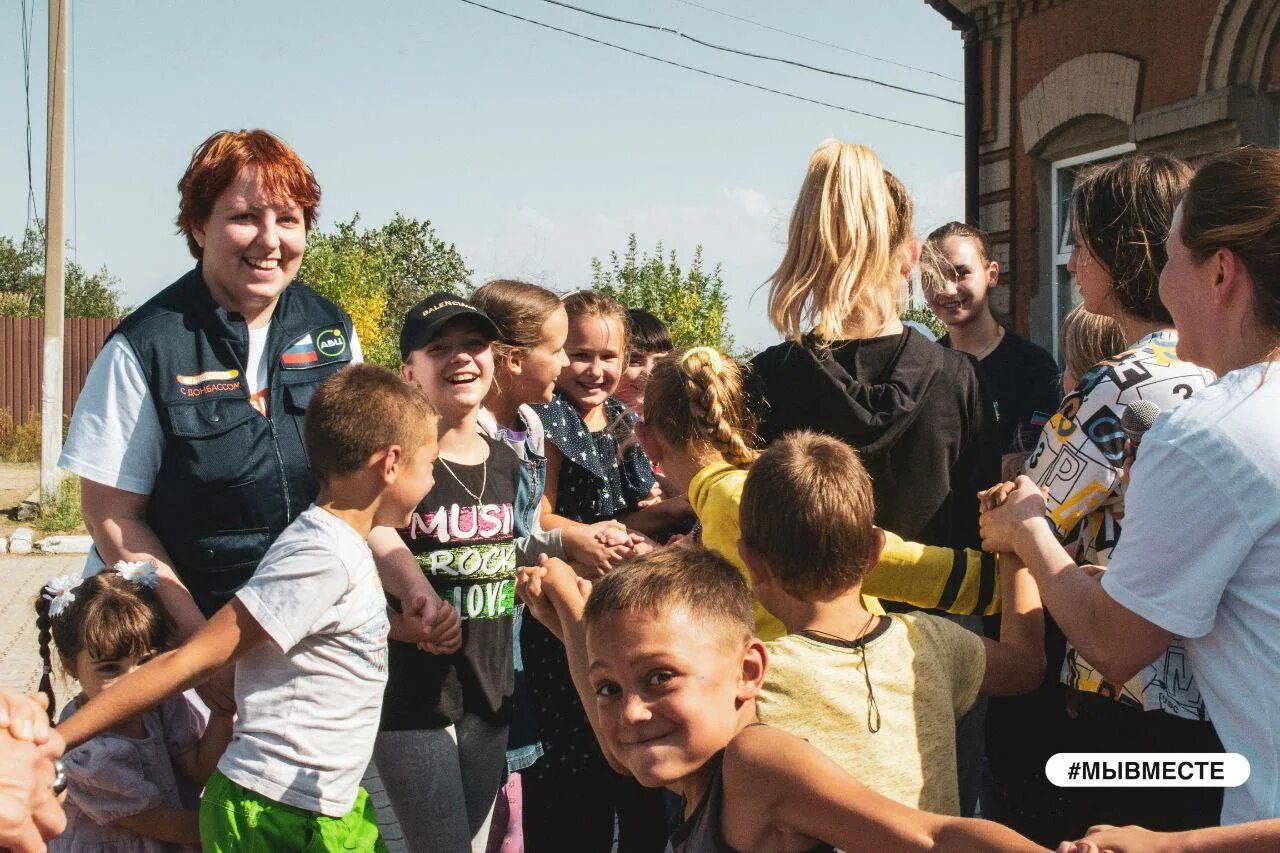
956,580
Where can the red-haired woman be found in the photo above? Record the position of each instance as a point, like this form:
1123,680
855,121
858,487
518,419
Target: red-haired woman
188,433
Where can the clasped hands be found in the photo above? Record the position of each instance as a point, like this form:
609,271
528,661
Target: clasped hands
597,548
555,595
1009,510
427,621
30,812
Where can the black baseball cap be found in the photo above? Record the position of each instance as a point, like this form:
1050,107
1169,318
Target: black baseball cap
425,320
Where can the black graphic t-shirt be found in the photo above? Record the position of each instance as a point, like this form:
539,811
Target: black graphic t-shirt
466,548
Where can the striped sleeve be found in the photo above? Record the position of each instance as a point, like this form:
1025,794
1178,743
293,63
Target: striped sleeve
956,580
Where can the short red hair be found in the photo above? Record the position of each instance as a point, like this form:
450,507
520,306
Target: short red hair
220,159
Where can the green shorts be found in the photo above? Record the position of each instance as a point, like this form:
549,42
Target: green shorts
234,819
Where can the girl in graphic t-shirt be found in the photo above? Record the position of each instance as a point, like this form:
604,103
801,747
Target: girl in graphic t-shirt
441,748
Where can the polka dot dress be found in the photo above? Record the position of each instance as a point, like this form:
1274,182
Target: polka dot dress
604,475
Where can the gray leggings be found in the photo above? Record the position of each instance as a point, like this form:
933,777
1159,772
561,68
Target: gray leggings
442,783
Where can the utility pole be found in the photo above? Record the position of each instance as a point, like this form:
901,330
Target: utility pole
54,247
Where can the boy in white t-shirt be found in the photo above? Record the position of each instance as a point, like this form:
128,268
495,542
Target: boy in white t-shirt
308,634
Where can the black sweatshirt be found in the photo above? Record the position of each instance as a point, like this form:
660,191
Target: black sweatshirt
918,413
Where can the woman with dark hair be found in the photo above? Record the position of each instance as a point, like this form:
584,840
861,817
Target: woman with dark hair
1202,511
1121,211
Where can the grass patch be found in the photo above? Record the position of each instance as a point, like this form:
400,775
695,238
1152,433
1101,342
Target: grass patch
61,513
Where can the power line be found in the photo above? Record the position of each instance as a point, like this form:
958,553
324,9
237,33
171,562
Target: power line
749,54
764,26
709,73
25,33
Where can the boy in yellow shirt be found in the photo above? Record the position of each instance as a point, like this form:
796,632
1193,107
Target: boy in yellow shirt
879,694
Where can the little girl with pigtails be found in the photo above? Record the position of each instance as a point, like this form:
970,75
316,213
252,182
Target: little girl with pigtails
135,787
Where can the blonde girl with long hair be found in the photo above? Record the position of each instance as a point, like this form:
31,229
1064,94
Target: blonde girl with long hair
917,412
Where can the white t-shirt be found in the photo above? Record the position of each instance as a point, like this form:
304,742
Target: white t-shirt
309,700
115,437
1200,557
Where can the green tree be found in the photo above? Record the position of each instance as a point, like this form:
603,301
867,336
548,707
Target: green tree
691,302
377,274
22,282
924,315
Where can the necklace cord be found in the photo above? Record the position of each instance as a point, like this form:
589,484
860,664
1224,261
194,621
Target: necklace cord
484,479
873,707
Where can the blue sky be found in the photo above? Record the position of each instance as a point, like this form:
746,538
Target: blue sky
529,149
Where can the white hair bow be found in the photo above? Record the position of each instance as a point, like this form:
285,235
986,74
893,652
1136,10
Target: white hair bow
142,572
60,593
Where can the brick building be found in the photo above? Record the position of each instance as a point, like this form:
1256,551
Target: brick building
1054,85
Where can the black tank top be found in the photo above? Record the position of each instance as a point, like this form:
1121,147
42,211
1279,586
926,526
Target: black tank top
703,831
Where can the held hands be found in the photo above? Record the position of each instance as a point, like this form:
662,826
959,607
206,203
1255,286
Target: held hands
426,621
596,548
30,812
554,594
430,622
1117,839
1008,509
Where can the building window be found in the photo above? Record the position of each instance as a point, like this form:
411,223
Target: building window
1062,180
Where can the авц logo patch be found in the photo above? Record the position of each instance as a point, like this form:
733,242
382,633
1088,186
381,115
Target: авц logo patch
331,343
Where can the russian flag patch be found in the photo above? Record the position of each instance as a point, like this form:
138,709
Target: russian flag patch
301,353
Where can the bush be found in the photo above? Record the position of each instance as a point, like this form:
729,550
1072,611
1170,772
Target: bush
61,513
19,442
922,314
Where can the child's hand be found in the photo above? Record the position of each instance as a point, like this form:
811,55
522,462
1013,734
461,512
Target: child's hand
610,533
554,594
654,497
590,554
445,636
996,495
529,588
218,691
419,613
640,544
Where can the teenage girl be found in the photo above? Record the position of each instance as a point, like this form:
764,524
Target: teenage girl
124,793
441,747
596,470
698,426
528,357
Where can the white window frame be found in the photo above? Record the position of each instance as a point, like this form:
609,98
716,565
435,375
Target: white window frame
1058,260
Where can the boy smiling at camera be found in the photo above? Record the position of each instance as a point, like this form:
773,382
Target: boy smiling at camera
663,656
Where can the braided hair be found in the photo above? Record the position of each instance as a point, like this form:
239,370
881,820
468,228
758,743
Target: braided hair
695,399
108,615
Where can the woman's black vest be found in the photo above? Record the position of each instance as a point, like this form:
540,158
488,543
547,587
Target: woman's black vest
230,479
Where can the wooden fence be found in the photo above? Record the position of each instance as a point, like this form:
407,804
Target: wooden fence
21,368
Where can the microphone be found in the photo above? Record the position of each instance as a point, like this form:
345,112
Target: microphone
1137,419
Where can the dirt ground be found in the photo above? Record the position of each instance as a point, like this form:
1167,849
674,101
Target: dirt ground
17,481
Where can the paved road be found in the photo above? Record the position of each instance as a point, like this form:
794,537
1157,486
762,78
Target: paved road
20,581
